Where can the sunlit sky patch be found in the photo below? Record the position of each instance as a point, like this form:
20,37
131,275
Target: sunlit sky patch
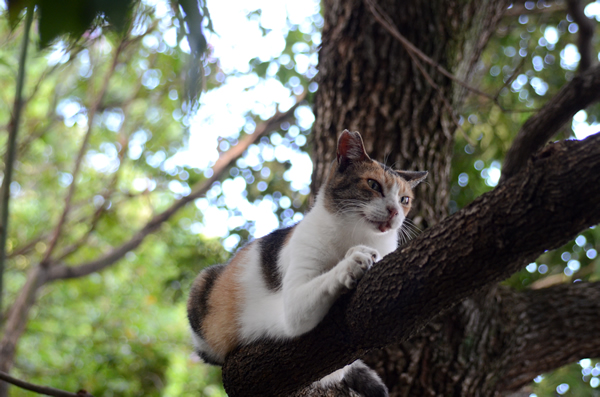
237,40
581,128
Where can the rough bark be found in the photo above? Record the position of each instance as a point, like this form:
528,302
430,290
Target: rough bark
552,327
466,254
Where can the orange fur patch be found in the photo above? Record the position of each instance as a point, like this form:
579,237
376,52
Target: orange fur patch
220,326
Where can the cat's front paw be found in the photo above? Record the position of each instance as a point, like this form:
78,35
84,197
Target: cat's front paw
356,262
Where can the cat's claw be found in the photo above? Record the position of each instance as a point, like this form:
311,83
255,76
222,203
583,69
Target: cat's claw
357,261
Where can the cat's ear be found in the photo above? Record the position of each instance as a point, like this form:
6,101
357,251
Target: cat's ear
350,149
413,177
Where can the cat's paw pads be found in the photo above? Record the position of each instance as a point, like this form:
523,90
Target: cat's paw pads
371,252
357,261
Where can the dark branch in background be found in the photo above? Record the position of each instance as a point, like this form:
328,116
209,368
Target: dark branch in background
530,213
586,33
577,94
13,130
222,164
45,390
556,326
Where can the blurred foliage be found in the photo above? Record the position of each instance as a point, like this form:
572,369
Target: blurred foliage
123,332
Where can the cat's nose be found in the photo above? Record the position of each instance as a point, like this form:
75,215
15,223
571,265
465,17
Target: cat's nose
392,212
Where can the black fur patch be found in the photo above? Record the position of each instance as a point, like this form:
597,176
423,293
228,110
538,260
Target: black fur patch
365,381
198,301
343,189
270,246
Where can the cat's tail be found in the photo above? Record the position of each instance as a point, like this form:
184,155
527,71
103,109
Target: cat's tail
358,377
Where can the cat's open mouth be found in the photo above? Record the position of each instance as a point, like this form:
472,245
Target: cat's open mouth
382,226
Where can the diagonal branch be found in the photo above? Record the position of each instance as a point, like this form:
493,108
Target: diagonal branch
222,164
82,150
493,237
387,23
414,52
45,390
101,209
577,94
586,33
555,327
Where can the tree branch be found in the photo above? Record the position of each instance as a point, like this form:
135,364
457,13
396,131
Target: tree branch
493,237
586,33
13,130
222,164
91,114
579,93
17,317
556,326
45,390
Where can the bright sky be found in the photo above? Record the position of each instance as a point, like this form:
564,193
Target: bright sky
239,39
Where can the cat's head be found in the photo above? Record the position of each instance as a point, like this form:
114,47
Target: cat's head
363,190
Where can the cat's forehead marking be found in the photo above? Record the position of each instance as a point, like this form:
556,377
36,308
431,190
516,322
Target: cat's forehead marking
388,176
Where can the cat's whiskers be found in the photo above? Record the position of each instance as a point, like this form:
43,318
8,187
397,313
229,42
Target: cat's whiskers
404,237
408,231
350,205
412,227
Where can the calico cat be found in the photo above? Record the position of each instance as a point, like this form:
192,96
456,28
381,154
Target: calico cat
282,285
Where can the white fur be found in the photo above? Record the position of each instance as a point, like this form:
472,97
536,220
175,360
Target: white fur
326,254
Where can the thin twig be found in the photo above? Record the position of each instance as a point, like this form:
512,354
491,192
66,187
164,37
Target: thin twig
388,24
512,77
11,145
82,150
413,52
223,163
45,390
101,209
113,183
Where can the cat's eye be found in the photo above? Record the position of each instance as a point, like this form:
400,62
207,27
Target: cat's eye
404,200
373,184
